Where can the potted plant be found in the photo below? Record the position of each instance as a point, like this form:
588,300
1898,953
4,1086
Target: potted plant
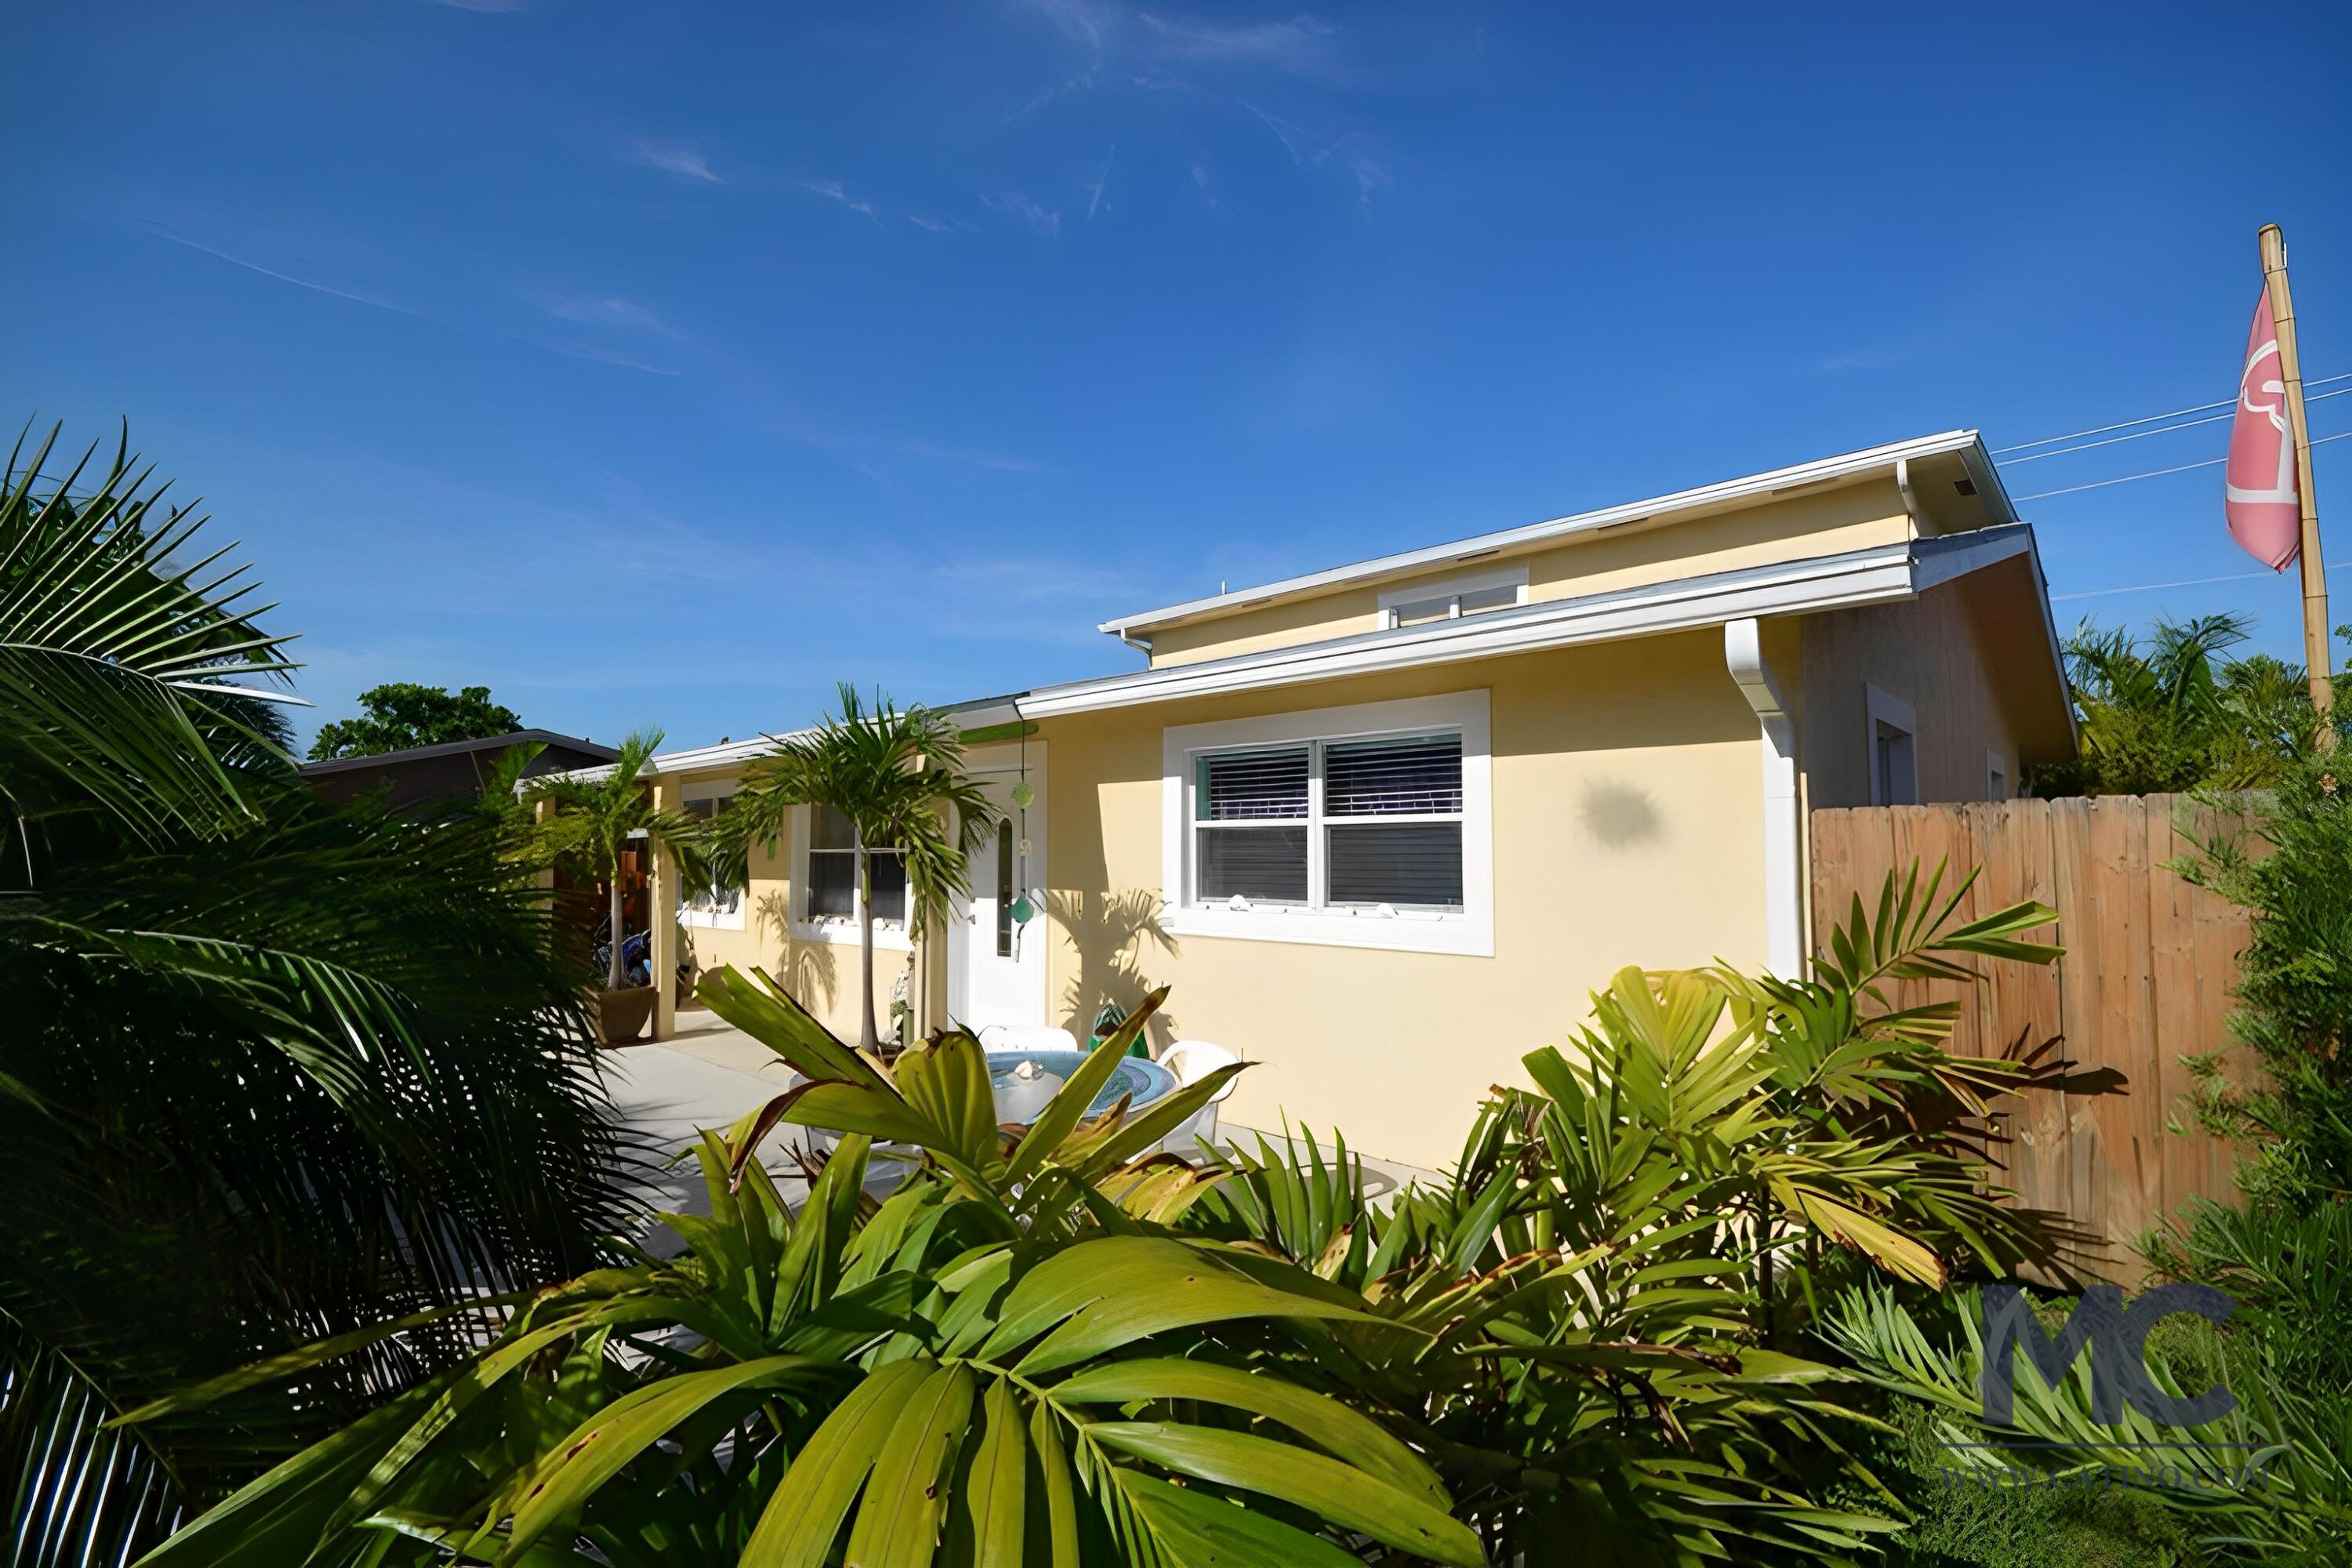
595,822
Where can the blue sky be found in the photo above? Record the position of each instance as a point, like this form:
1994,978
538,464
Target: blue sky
665,364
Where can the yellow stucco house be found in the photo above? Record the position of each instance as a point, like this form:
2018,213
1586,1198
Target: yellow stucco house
1382,827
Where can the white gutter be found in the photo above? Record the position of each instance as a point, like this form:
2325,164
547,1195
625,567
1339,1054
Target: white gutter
1847,466
1784,886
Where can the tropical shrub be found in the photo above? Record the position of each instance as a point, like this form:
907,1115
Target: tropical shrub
2294,984
1058,1343
594,821
2171,712
271,1069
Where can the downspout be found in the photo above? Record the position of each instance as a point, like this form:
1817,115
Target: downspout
1910,499
1784,887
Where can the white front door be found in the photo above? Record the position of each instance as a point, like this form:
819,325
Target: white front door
996,960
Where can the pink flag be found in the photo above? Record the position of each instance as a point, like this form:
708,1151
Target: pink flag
2258,494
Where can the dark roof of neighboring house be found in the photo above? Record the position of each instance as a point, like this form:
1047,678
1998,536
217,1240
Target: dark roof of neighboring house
457,748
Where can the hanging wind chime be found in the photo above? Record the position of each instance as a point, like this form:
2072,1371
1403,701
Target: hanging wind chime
1023,793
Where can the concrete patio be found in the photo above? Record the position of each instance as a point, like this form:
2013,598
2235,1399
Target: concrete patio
709,1073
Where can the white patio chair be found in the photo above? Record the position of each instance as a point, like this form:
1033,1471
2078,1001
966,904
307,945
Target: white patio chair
1191,1061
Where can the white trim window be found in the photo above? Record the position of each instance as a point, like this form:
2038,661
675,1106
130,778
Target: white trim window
825,881
1894,749
714,908
1366,827
1469,594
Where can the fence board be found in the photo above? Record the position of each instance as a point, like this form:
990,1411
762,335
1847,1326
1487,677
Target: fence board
2150,963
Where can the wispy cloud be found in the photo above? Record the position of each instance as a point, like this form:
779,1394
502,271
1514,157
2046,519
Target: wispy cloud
1095,191
833,191
997,461
1301,46
672,158
356,296
609,312
601,356
1041,220
1086,23
1310,151
941,225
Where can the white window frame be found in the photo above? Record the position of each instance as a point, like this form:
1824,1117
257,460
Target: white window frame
1998,784
1884,707
690,911
889,935
1452,588
1467,930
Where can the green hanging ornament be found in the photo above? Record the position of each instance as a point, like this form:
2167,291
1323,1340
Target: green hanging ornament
1022,909
1024,795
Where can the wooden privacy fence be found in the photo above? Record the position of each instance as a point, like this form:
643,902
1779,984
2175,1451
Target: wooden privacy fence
2150,961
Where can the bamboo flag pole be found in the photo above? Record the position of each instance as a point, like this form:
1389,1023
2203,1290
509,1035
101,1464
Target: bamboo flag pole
2316,631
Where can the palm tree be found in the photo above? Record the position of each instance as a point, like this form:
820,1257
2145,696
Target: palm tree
595,820
2173,711
896,775
272,1068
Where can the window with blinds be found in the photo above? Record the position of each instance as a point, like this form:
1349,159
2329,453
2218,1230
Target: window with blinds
1355,822
832,871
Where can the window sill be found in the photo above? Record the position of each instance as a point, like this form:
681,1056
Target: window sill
711,919
1462,935
889,936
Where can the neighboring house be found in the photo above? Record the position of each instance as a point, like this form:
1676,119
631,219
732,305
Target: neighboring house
1384,827
453,770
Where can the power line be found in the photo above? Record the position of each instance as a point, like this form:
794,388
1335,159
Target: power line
2165,430
2152,473
2147,419
2183,583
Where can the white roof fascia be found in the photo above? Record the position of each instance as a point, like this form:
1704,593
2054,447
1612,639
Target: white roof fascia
700,758
695,761
1878,575
1849,465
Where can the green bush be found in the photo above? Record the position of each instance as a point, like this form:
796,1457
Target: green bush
1049,1344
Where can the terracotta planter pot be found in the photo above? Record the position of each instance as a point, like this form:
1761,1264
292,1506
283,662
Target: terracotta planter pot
622,1015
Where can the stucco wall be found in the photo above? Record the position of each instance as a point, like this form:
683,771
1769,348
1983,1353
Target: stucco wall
1930,654
1626,827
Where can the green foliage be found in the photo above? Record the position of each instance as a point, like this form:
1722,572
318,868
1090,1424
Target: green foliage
1049,1343
2301,1446
592,822
272,1070
402,714
897,775
2170,713
2295,985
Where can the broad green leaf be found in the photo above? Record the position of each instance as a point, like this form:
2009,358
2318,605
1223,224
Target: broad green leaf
899,1521
596,1451
1112,1293
796,1530
994,1497
1347,1497
1201,1531
1347,1433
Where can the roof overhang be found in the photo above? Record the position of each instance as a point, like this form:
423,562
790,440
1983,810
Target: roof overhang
1881,574
978,712
1682,504
456,748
